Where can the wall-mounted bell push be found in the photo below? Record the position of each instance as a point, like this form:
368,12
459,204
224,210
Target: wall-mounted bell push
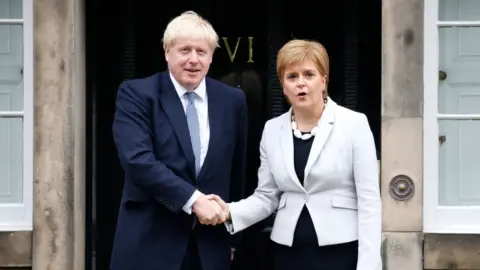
402,188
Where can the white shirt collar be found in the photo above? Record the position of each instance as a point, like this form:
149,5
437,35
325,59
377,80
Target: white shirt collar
201,90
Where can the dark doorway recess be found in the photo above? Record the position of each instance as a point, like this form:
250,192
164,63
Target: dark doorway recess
124,42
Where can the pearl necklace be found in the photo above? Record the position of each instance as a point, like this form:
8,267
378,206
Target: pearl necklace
297,133
307,136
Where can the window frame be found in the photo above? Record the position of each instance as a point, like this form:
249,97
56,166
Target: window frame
19,216
436,218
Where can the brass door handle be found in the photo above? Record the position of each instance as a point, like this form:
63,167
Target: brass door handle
442,75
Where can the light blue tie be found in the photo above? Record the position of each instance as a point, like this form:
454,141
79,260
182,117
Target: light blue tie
194,128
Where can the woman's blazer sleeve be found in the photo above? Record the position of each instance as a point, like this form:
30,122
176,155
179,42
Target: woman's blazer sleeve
263,202
365,171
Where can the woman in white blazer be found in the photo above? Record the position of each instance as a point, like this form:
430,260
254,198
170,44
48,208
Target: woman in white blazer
319,171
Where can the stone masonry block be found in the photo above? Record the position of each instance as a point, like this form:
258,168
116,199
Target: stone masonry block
402,251
402,154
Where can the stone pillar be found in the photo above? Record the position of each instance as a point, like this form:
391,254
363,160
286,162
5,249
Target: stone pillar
58,234
402,133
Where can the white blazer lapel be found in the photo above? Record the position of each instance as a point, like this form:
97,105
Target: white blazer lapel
286,142
324,130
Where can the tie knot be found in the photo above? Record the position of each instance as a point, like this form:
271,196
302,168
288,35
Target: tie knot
190,96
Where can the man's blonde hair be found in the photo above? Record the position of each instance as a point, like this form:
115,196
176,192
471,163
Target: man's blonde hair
190,25
298,50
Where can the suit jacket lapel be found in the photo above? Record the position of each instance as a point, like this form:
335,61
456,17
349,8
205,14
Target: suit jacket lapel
216,111
173,108
286,142
324,130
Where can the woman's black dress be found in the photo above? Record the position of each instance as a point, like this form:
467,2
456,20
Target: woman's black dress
306,254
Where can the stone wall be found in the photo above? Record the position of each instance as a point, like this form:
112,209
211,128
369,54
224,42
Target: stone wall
57,242
405,246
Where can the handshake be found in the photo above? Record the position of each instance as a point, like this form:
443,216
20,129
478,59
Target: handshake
211,210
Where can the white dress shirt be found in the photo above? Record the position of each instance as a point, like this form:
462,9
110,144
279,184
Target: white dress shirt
201,104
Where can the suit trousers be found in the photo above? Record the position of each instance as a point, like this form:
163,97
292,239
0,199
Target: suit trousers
191,261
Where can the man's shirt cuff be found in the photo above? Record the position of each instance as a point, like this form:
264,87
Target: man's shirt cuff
187,208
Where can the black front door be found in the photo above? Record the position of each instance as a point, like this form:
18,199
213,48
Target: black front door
124,42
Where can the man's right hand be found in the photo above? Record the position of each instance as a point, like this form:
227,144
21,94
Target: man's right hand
208,211
221,203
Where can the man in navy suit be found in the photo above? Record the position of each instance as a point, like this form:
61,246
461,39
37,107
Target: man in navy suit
180,136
